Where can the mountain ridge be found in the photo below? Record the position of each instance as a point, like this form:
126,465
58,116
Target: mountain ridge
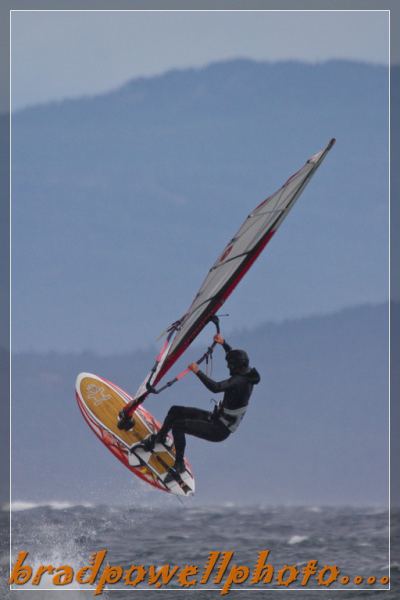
119,210
176,72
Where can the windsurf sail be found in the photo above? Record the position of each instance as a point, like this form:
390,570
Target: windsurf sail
229,268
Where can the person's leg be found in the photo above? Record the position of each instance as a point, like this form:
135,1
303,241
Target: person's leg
175,413
181,413
201,428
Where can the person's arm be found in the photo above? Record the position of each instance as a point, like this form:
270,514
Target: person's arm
226,347
214,386
220,340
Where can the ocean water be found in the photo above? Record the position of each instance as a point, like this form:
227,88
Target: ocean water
356,540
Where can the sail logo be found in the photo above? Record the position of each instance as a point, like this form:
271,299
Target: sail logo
226,252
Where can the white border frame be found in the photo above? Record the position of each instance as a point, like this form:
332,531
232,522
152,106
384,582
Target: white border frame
253,589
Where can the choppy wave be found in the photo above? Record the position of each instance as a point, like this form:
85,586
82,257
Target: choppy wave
297,539
60,532
19,505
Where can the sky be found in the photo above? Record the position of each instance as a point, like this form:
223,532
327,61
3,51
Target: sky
65,54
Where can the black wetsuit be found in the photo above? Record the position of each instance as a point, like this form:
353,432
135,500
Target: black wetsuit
213,426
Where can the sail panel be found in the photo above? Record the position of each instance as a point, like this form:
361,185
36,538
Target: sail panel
265,217
236,258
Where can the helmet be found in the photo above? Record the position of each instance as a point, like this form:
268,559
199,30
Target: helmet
237,359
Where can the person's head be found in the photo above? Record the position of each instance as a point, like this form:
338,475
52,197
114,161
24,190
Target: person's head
237,361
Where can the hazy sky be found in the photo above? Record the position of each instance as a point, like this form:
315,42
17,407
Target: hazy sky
71,53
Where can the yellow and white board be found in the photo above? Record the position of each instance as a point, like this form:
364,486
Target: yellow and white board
100,402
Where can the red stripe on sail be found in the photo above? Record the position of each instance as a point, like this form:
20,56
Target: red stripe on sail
246,266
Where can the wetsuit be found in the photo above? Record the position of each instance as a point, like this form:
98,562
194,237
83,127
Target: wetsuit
213,426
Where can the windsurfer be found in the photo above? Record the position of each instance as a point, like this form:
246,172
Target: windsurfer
213,426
